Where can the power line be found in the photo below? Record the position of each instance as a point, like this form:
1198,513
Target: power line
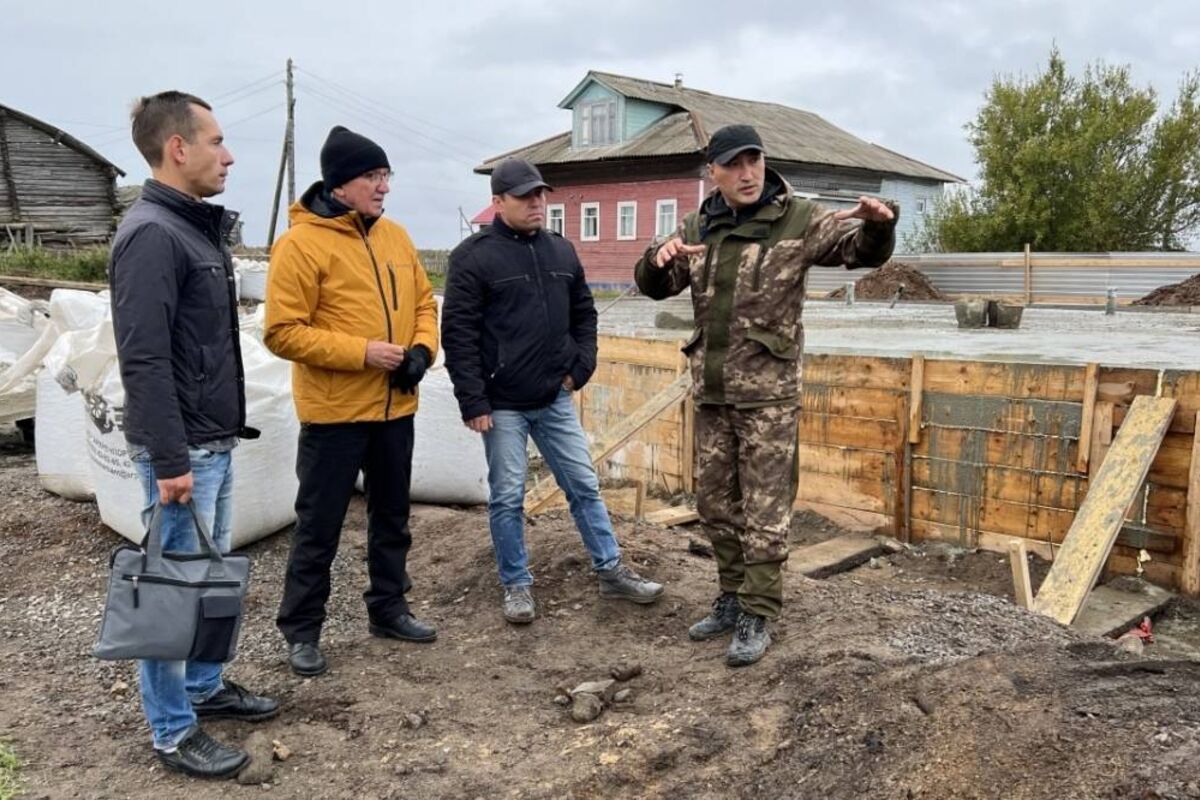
343,108
273,76
247,95
374,103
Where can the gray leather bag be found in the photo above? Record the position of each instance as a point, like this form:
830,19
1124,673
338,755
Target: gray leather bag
173,606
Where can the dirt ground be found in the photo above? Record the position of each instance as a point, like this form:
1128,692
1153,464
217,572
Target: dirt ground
894,280
1185,293
912,677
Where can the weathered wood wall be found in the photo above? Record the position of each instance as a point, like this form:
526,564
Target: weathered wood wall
975,453
65,195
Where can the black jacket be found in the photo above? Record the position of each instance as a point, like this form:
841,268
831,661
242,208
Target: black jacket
518,317
175,319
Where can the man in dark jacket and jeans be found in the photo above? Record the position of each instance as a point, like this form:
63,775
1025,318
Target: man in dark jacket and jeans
176,327
519,333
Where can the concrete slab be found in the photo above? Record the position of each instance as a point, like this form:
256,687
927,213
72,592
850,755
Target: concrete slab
1154,339
1110,611
833,556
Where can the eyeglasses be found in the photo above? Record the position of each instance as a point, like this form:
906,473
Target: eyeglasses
378,176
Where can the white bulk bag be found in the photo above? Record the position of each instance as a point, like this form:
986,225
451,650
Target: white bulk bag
60,442
264,484
253,278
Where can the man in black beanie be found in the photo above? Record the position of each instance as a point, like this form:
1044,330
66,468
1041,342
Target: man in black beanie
349,303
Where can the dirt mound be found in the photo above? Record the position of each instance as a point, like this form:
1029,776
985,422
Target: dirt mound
1186,293
884,282
888,681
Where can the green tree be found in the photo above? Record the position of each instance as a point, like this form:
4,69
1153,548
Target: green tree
1077,164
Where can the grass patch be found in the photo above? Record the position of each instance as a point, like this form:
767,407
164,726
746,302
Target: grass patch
89,264
10,767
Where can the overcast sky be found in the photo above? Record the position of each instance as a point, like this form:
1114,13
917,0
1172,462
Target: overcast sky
442,86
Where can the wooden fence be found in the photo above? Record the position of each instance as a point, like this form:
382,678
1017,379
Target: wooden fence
970,452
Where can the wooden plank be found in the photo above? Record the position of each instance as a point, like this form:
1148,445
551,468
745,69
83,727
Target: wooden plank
643,352
616,436
903,455
842,461
867,372
1051,489
1019,381
677,515
1102,428
1110,611
1173,463
1190,577
1012,450
52,284
1166,509
1090,387
985,514
846,492
848,401
917,387
1184,386
1006,414
1018,558
854,432
836,555
639,500
1100,517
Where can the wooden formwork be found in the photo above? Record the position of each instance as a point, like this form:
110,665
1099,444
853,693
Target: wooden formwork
976,453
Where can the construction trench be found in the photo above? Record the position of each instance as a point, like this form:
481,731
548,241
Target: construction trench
904,666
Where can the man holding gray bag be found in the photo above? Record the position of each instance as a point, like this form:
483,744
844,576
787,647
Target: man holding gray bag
175,322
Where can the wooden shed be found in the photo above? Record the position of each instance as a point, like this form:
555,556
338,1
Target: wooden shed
54,189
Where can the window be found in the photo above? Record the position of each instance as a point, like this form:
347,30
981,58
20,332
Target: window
627,221
556,218
598,122
665,223
921,206
589,222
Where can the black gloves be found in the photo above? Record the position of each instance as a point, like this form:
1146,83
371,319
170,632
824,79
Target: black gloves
406,376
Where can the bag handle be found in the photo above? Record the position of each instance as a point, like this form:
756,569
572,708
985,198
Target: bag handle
154,549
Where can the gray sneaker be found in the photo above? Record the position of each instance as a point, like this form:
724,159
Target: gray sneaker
623,583
721,619
518,605
750,640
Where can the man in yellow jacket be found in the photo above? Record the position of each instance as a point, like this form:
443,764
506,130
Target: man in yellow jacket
349,303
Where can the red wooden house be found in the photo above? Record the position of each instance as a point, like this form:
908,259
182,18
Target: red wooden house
632,165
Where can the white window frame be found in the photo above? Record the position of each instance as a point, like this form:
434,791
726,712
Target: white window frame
584,208
659,205
561,208
621,206
921,205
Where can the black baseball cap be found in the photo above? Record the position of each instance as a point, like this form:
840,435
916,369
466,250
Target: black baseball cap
726,143
517,177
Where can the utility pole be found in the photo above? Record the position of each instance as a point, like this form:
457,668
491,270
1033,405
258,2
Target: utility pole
287,158
291,135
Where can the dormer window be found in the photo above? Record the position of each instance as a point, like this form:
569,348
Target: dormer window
598,123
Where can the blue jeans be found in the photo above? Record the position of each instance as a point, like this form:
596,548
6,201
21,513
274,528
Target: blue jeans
559,437
169,688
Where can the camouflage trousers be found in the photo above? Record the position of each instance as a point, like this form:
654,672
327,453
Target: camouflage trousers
745,489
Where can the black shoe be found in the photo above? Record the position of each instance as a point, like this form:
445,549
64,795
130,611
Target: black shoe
305,659
750,640
234,702
202,756
404,626
722,618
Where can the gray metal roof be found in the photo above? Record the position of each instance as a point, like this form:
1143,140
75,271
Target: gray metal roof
789,134
59,135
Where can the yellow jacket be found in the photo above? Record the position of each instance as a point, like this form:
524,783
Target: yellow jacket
333,284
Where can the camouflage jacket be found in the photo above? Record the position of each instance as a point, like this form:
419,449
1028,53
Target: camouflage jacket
748,288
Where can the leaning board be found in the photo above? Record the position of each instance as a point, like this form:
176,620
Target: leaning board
1091,536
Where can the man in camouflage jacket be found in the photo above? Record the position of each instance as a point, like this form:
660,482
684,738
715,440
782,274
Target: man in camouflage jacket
745,256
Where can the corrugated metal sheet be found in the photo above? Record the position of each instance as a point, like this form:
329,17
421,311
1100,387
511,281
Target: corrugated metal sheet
1084,277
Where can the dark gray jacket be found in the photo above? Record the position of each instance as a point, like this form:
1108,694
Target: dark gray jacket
175,319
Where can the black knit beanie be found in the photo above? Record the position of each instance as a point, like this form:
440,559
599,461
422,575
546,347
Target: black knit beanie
346,155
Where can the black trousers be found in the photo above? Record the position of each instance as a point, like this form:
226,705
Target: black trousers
328,463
